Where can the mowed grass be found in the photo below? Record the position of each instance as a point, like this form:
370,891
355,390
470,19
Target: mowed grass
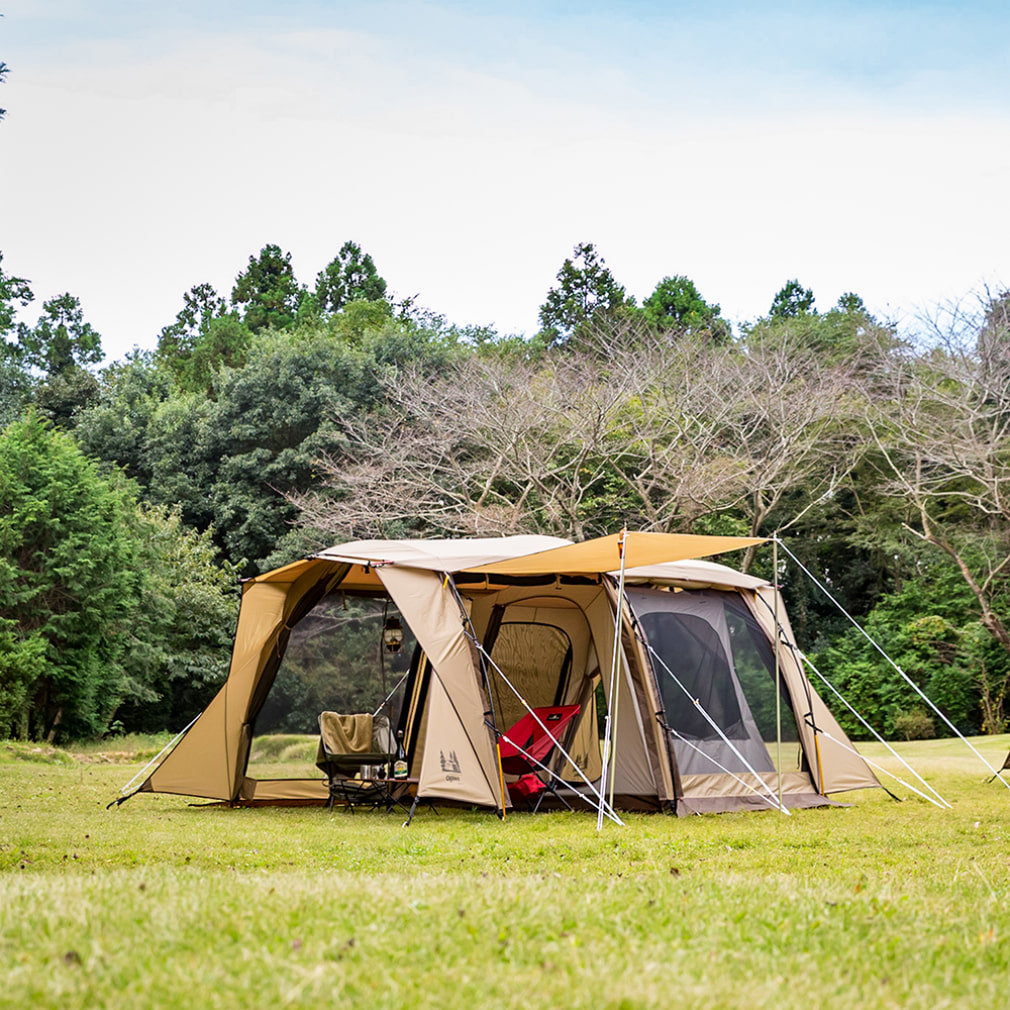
163,904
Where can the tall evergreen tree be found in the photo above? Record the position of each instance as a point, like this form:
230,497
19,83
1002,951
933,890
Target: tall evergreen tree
267,291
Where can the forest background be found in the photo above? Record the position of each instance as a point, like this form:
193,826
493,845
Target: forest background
282,417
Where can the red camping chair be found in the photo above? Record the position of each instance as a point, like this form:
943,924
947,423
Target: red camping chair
526,747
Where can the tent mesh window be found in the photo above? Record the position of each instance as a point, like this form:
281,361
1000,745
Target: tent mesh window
754,661
710,643
335,662
690,646
537,660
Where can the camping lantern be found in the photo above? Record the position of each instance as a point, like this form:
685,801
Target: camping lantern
392,634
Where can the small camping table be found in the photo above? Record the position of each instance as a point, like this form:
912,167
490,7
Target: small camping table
374,793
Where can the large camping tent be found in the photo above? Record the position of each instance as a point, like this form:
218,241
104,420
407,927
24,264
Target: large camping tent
711,708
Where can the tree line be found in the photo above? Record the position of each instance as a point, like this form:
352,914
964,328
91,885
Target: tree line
282,417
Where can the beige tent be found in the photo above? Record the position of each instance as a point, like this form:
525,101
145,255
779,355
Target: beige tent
712,710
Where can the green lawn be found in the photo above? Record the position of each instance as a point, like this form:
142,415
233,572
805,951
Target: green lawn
162,904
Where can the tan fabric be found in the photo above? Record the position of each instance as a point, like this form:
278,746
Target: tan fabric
205,763
459,760
692,575
210,760
633,772
603,555
346,734
442,555
280,790
744,784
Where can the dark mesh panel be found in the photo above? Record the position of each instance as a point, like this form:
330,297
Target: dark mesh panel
334,662
755,667
691,648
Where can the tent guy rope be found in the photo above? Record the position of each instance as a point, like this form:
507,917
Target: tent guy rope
877,736
918,690
725,739
785,640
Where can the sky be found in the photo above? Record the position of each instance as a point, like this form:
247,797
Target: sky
468,146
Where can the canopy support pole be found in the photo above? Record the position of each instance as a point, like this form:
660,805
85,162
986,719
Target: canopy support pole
610,729
778,669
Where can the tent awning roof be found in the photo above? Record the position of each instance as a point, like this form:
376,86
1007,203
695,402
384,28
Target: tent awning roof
442,555
603,554
654,556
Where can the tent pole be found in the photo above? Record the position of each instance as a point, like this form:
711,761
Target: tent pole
778,667
610,730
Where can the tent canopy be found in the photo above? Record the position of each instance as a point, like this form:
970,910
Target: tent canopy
604,553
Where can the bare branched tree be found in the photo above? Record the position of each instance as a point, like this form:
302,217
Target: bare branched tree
942,435
493,446
656,431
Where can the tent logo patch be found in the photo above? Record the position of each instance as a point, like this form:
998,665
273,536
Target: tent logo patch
450,764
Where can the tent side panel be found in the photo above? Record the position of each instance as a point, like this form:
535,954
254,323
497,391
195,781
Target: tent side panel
206,760
646,692
200,764
459,760
841,769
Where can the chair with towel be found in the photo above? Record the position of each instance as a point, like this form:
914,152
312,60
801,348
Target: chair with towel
353,744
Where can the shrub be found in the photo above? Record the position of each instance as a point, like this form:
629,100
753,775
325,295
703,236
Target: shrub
914,724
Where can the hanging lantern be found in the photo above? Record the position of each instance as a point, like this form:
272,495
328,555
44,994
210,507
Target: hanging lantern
392,634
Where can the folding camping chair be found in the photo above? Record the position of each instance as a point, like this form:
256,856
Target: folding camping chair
526,748
349,744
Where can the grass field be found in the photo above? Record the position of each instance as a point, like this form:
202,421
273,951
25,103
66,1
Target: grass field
162,904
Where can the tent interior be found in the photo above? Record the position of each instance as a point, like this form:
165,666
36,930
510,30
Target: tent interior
698,723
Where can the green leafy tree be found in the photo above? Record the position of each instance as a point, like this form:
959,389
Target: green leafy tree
586,295
114,428
180,637
61,346
931,630
791,301
351,276
15,381
267,291
63,396
69,585
61,339
14,291
268,427
676,305
203,338
846,336
201,305
143,423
